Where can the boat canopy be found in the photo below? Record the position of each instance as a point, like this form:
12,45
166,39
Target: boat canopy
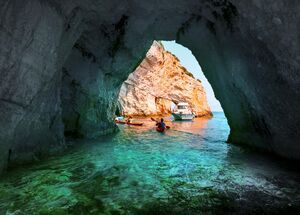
182,104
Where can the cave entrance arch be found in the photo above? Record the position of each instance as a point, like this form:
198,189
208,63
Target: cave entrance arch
250,70
107,60
230,57
169,74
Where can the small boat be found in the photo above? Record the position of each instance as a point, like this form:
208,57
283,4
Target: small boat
183,112
129,123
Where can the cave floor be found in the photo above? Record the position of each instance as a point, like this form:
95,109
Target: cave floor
188,170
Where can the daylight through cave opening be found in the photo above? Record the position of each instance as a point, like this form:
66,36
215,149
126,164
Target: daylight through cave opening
168,75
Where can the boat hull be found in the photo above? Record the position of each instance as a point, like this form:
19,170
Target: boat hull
182,117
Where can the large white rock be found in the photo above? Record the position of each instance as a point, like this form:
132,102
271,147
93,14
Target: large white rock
157,82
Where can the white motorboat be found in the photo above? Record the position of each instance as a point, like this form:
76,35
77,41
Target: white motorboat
183,112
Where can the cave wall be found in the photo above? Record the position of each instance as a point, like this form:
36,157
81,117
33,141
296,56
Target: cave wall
30,79
100,61
249,51
253,70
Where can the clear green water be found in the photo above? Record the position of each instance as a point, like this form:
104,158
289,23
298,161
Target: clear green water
188,170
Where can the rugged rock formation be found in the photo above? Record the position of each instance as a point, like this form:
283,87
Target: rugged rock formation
249,51
157,82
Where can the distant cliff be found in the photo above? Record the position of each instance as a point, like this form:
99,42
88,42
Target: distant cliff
157,82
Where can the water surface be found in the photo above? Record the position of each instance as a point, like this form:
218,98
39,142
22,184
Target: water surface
188,170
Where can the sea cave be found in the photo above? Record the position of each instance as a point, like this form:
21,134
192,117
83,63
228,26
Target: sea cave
63,65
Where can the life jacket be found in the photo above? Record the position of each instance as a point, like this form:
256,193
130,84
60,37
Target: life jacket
161,125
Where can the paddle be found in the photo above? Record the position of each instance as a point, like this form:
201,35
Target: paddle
167,127
153,119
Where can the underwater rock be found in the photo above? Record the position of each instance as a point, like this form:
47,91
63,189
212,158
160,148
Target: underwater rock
157,82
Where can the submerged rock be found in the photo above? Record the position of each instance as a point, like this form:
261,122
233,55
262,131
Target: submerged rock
157,82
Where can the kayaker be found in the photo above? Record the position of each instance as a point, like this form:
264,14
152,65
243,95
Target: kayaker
129,120
161,124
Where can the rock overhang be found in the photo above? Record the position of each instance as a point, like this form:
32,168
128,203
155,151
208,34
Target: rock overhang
249,57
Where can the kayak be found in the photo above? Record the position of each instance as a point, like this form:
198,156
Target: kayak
120,122
160,129
129,123
135,123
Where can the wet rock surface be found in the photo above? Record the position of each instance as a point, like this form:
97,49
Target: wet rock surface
157,82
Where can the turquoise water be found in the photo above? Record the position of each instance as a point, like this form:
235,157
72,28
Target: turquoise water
188,170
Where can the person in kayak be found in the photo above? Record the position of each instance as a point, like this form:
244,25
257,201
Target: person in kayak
129,120
161,124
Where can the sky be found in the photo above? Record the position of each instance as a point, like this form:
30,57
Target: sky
188,60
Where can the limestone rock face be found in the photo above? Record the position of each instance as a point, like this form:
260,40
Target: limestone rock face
157,82
62,63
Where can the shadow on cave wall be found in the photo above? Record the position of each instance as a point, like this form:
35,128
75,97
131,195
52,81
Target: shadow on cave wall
251,72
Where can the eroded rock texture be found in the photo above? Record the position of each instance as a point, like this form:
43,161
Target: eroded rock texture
157,82
249,51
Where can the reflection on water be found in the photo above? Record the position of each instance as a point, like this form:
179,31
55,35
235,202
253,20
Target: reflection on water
188,170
